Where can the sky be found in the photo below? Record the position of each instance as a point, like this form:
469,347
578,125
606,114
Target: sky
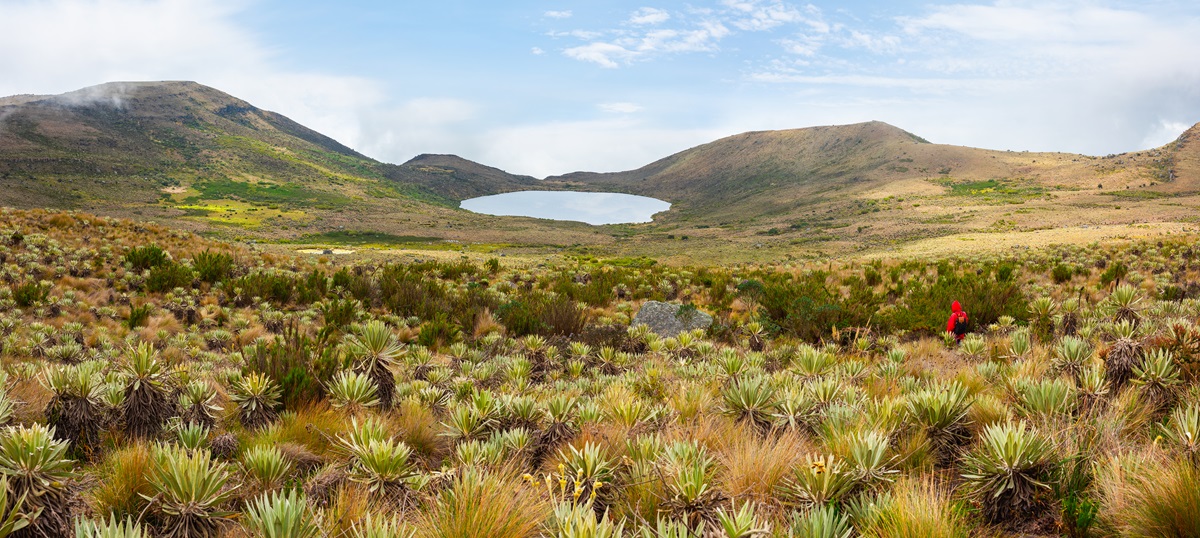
544,87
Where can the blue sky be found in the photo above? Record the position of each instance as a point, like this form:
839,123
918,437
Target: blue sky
544,87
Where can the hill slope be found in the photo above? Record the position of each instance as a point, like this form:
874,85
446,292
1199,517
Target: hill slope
872,185
197,157
185,150
457,178
781,168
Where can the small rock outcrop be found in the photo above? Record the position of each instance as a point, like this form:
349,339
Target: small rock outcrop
667,320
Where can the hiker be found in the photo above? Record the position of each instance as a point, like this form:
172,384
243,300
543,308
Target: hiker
957,323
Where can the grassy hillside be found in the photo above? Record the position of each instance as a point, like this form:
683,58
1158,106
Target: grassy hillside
197,158
200,159
873,187
457,179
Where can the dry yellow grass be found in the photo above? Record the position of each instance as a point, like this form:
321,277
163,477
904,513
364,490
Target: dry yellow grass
978,243
753,467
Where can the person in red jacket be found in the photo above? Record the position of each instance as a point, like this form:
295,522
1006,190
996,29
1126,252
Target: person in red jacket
957,323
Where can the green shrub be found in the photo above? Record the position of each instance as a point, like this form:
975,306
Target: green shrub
925,306
1114,273
142,258
340,313
168,276
543,315
1061,273
212,267
267,285
806,307
871,276
138,315
438,332
302,364
29,293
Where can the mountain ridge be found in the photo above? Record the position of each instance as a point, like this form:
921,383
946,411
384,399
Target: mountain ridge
187,153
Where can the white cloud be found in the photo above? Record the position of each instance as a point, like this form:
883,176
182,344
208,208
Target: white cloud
584,35
879,44
628,46
1104,79
1050,38
608,145
757,16
115,40
1022,22
620,108
96,41
802,45
80,42
649,15
423,125
565,14
1166,132
537,51
605,54
1013,74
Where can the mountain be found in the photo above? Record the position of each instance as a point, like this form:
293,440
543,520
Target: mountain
142,137
198,158
873,185
797,163
188,152
778,171
457,178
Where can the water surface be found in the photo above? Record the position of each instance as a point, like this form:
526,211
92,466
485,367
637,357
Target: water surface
589,207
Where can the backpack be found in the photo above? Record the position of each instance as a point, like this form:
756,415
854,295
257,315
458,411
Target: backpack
960,326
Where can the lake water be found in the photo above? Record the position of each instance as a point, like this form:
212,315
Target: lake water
589,207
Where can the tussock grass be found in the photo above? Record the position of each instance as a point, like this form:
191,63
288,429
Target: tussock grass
752,468
918,508
482,504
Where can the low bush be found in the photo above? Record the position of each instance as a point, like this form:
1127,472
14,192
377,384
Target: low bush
142,258
212,266
168,276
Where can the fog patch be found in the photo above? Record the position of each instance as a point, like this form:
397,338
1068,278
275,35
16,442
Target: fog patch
113,94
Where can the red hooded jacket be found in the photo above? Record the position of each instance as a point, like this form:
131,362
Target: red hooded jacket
957,315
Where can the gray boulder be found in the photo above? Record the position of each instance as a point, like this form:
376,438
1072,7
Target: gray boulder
666,320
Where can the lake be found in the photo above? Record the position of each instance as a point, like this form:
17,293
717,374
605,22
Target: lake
589,207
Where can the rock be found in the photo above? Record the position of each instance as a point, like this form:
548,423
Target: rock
664,319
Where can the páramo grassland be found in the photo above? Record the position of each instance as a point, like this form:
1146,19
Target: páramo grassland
156,383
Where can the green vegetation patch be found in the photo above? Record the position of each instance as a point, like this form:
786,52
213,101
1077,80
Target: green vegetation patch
1138,195
359,238
993,191
639,262
291,194
240,214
